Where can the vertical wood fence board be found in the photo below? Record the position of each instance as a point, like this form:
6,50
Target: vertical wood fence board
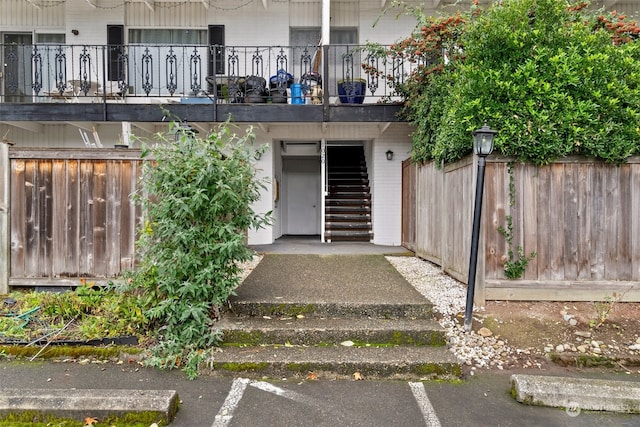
490,215
32,236
59,220
544,213
611,214
45,211
571,214
499,209
85,218
624,225
99,218
18,218
113,218
635,226
585,203
529,215
598,221
72,218
127,218
556,226
408,204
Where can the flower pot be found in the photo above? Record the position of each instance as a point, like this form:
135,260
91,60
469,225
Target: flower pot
296,94
352,91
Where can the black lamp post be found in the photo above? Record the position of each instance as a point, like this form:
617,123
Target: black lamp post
482,147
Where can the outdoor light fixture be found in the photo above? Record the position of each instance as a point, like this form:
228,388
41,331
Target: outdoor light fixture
389,155
483,141
482,146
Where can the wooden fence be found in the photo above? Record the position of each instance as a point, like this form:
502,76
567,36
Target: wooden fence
581,217
71,214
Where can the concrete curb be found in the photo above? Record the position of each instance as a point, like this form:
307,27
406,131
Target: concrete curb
577,394
78,404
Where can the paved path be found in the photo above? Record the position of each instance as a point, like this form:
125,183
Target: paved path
224,401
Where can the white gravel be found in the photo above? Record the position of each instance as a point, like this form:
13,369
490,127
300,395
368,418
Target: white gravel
449,298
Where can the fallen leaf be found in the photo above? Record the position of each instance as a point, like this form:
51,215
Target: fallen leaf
347,343
357,376
89,421
312,376
300,316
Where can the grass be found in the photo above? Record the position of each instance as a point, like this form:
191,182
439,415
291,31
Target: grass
82,314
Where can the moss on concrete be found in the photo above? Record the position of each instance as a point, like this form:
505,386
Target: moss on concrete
67,351
39,419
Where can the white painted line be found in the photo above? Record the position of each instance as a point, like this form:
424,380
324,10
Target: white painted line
420,394
288,394
224,415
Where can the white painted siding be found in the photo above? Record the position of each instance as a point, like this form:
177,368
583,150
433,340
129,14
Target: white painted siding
307,14
265,171
90,22
386,178
19,15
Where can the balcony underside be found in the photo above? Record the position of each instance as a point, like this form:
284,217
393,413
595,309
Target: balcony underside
240,113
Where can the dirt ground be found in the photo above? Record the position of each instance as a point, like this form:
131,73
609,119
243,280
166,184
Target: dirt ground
536,330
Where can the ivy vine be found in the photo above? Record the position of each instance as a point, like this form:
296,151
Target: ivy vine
516,262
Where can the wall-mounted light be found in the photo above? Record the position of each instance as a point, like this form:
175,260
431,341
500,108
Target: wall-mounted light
75,32
389,155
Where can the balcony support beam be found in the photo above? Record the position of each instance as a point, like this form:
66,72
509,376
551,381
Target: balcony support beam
30,126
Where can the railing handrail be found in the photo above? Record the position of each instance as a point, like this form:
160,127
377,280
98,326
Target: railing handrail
53,70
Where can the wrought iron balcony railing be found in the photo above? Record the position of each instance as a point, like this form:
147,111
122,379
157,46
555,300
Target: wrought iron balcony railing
193,74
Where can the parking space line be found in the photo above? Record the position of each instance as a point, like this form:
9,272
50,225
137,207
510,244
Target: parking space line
420,394
225,414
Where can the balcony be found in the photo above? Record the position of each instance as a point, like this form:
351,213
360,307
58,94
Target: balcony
198,83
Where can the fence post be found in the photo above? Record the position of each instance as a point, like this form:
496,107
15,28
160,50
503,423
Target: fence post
5,223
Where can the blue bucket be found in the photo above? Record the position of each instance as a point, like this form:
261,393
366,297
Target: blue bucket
296,94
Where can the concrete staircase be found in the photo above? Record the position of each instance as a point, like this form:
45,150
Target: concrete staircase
275,335
348,203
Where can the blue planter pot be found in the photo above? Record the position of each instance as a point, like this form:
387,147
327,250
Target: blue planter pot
352,91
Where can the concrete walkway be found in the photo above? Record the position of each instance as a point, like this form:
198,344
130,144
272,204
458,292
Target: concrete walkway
311,245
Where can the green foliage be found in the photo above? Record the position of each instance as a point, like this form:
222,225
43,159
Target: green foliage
553,77
94,312
197,195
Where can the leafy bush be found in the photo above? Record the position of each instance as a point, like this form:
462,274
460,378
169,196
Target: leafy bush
554,78
197,195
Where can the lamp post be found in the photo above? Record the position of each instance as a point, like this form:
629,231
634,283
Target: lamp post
482,147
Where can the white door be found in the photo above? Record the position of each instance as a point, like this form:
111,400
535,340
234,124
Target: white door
302,187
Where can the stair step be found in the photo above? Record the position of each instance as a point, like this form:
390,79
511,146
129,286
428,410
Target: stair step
350,217
330,330
343,195
332,227
348,189
341,209
348,181
348,236
402,362
348,202
421,310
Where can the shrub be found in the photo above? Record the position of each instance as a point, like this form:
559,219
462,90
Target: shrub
553,77
197,195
